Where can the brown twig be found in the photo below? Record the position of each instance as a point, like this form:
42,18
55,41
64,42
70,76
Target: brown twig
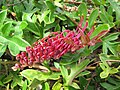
91,68
93,75
55,69
8,62
94,63
113,60
118,77
43,68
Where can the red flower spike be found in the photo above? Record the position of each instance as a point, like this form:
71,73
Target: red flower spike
57,44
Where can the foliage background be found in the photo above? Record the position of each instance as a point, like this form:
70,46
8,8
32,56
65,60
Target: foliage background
22,22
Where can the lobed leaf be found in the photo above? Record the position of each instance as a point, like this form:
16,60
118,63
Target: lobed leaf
99,29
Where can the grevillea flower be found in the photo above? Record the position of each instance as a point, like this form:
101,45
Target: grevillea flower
56,45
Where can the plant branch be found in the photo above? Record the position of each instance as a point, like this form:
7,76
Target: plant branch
7,62
43,68
113,60
89,81
117,76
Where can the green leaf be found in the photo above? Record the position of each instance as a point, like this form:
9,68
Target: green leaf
35,28
21,43
27,17
97,2
35,83
46,20
114,70
57,28
3,15
8,86
1,25
51,17
17,31
70,88
1,84
116,7
83,81
110,10
102,9
7,79
64,72
92,48
105,48
58,4
7,28
50,5
76,69
28,35
40,5
2,49
104,74
34,18
28,73
45,86
112,46
61,17
84,73
75,86
114,81
14,49
57,86
56,65
86,52
41,30
23,24
18,79
24,87
111,37
3,45
29,7
103,58
103,18
3,40
102,66
82,10
13,84
99,29
70,58
108,86
93,16
106,17
18,10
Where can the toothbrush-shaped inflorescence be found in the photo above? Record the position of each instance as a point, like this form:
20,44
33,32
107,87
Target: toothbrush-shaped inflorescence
56,45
